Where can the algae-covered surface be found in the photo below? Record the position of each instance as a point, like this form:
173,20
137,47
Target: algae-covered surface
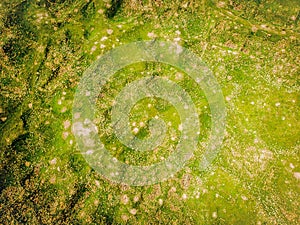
252,48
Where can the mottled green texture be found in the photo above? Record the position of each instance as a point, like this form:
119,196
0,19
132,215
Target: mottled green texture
251,46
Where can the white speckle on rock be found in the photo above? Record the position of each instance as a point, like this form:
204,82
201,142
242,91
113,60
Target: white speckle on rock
100,11
198,80
77,115
179,49
89,152
180,127
133,211
173,189
124,217
136,199
214,215
297,175
160,201
151,35
53,161
65,135
109,31
244,197
135,130
52,179
64,109
124,199
178,76
104,38
93,48
263,26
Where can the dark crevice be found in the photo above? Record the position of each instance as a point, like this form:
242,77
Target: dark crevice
52,77
115,7
15,49
26,177
15,16
88,10
74,199
18,143
24,118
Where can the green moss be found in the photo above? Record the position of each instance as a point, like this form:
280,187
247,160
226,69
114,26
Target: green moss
253,50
